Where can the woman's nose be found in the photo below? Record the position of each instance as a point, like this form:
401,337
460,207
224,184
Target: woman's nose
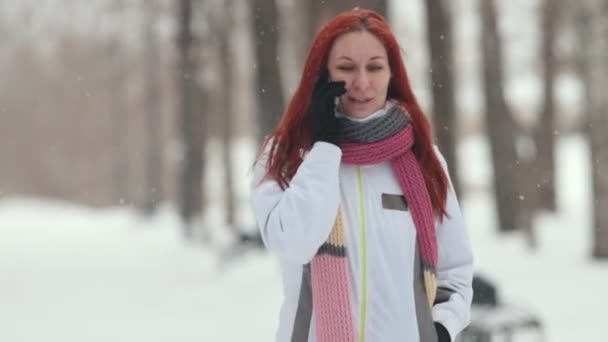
361,80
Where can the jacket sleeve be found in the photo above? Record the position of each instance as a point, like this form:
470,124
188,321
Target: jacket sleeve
296,221
455,268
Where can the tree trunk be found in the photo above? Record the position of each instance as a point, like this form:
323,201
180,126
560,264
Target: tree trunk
500,125
545,138
594,56
227,110
269,88
191,168
600,152
119,124
301,37
439,34
152,104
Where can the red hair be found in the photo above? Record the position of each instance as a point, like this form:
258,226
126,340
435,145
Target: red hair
293,136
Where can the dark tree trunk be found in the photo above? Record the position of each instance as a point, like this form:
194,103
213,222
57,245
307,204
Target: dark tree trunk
592,30
227,109
120,124
500,125
600,153
439,34
545,139
269,88
191,125
152,104
301,38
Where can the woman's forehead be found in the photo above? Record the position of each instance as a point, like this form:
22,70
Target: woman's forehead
358,45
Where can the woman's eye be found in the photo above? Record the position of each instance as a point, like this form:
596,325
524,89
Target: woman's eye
346,68
374,68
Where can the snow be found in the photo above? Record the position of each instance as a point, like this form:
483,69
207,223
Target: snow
75,274
72,273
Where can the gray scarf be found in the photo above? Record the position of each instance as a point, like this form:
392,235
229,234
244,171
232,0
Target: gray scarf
375,129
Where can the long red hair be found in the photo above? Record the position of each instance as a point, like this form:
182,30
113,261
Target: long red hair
293,135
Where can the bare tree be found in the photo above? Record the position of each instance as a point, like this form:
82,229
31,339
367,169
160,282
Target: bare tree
598,122
299,39
439,34
152,105
500,125
592,30
269,86
192,126
537,165
227,66
119,113
545,135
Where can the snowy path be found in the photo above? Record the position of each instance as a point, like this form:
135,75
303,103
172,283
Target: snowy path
77,275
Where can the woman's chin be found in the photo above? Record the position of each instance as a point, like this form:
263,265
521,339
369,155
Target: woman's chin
360,113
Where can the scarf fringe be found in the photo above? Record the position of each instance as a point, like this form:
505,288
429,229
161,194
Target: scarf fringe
331,299
430,285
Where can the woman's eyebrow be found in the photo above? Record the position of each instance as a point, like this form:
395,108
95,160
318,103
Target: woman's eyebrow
371,59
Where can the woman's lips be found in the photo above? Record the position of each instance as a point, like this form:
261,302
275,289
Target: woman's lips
359,99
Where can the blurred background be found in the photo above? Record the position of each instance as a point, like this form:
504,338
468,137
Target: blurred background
128,130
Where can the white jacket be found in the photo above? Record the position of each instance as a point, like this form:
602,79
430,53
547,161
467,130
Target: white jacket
294,223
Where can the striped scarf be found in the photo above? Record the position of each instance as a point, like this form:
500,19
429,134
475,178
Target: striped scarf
389,137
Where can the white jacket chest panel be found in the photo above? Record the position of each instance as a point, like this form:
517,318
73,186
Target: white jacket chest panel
390,243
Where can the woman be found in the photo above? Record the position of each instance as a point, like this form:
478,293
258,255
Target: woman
355,201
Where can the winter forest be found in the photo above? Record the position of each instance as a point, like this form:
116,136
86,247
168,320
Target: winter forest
128,131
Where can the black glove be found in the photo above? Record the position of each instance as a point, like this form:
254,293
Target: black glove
323,121
442,333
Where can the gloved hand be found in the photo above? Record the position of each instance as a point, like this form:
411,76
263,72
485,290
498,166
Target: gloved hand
323,121
442,333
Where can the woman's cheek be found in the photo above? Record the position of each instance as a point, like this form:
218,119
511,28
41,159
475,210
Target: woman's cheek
337,76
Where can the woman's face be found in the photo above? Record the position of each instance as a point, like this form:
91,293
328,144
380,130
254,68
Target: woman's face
359,59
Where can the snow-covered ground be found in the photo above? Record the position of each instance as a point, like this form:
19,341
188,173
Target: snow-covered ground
71,273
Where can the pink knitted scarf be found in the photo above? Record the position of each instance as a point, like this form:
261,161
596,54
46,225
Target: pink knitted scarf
329,268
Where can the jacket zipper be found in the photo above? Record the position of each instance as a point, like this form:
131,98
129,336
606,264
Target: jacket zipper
363,309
